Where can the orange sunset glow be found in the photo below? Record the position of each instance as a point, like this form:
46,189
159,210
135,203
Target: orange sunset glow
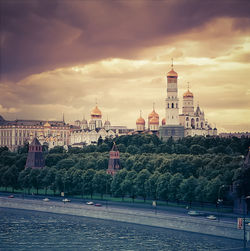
62,56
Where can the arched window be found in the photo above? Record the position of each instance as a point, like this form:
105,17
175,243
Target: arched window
187,118
168,105
197,119
193,123
172,105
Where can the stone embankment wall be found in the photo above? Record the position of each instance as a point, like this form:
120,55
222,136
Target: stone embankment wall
185,223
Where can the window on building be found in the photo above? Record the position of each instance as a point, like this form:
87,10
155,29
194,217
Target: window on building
193,123
172,105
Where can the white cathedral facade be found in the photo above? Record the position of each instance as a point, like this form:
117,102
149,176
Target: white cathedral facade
87,133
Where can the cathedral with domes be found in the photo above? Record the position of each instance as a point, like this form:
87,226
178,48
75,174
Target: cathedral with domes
193,119
86,133
190,122
152,125
95,121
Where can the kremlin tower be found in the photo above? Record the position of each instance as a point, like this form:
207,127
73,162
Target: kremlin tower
35,159
114,164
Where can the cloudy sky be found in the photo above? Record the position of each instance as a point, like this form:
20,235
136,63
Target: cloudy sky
61,56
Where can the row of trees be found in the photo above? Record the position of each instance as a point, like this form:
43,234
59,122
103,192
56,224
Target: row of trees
139,144
144,184
150,174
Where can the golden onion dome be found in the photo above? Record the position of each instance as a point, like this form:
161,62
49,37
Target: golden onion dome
172,74
153,114
140,121
47,124
96,112
188,94
154,121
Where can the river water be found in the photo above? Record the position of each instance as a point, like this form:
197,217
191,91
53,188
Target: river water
32,230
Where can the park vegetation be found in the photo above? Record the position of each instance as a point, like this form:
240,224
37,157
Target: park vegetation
192,169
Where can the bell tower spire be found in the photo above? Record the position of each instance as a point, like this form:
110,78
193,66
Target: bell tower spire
172,101
171,126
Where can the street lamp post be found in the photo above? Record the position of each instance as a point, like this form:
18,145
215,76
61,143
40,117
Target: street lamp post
155,206
106,194
219,201
244,231
244,221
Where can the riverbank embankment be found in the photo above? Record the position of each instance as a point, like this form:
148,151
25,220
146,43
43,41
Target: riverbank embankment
184,223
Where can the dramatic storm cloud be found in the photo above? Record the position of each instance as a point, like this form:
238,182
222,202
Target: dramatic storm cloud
59,56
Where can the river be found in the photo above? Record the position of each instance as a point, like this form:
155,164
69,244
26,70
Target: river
32,230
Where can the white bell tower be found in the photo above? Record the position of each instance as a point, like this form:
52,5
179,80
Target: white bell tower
172,101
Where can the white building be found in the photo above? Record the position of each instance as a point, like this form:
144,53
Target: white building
193,120
172,101
190,122
171,126
16,133
89,133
